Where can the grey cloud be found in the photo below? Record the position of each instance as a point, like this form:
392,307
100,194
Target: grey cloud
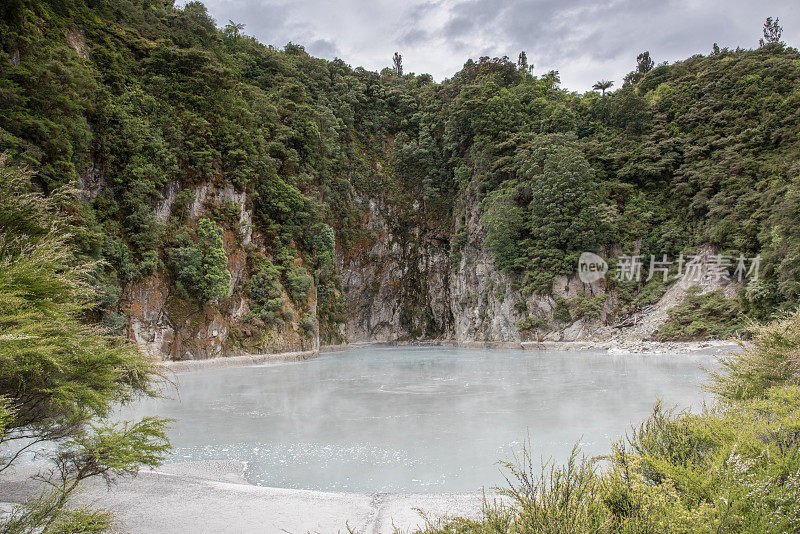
583,39
421,10
457,45
271,22
458,27
323,48
413,37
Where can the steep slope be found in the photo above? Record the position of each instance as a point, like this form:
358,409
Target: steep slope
248,199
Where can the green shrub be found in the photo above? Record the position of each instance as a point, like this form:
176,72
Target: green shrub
298,282
83,521
265,293
457,243
183,202
505,226
201,268
589,308
61,379
323,246
532,324
771,359
561,311
216,278
308,324
702,316
650,293
227,214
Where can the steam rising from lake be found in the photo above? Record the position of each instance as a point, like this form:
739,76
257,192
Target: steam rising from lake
416,419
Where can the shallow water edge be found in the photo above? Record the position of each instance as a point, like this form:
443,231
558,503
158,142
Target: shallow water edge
613,347
181,366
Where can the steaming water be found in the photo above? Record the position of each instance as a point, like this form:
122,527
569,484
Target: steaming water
416,419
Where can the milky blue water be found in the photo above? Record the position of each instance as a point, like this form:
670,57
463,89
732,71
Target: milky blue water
416,419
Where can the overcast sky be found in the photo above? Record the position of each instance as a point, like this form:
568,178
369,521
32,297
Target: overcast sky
584,40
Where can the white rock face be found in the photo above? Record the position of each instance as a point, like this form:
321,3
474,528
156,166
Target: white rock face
164,208
245,215
403,287
677,292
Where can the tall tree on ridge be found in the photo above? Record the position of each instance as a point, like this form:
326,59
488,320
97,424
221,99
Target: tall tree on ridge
233,29
602,85
772,32
644,63
522,62
397,64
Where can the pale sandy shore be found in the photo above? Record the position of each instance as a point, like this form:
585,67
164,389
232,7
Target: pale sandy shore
213,497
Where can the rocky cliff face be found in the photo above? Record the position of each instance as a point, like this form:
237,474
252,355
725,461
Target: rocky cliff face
397,287
404,284
178,329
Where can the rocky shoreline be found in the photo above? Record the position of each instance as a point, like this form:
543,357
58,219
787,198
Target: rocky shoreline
181,366
612,347
621,346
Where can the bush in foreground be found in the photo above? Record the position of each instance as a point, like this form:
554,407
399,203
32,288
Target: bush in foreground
59,377
734,468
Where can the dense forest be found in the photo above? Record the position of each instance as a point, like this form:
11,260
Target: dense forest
140,142
137,100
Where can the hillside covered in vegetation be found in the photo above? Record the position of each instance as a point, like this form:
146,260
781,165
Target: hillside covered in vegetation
244,198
